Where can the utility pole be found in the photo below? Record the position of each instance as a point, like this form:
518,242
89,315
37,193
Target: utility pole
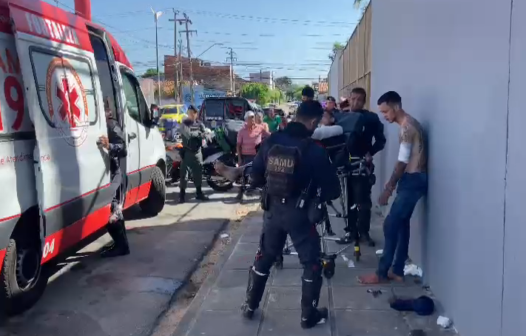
176,65
180,70
231,58
188,32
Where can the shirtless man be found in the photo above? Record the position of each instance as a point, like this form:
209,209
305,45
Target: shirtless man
410,174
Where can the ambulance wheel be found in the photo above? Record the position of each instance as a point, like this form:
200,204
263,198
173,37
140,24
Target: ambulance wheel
157,196
23,280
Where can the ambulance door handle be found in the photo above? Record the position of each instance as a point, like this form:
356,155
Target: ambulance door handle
131,136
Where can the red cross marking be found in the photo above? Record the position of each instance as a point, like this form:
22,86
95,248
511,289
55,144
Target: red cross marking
68,96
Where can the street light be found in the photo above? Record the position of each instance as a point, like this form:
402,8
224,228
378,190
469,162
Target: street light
156,16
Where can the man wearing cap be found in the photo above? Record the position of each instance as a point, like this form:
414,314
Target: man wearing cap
247,139
192,134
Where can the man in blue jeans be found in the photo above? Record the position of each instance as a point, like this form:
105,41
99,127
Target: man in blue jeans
409,178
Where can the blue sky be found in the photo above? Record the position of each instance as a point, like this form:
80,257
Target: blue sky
290,37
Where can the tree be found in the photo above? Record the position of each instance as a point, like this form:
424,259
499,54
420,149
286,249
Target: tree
150,73
294,92
283,83
258,91
337,46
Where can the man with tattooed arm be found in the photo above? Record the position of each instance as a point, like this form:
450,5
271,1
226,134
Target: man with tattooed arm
409,178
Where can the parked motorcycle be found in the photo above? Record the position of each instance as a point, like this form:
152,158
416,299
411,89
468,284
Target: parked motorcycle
213,150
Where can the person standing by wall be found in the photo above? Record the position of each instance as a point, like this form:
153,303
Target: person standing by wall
192,134
409,178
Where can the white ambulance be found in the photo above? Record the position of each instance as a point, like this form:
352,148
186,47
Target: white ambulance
56,71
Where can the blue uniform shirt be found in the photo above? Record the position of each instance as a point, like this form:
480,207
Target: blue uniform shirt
315,165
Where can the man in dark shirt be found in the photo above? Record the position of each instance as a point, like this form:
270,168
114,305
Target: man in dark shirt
360,217
287,214
115,144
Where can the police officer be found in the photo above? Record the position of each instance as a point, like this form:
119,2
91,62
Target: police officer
115,144
283,166
359,188
192,133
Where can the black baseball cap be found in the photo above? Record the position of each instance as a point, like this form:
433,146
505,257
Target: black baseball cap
331,99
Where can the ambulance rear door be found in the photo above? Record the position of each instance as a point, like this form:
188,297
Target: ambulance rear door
66,105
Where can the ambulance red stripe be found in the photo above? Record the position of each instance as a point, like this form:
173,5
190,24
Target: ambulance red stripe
64,28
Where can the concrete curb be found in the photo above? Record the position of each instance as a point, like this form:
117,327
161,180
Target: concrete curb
188,275
193,310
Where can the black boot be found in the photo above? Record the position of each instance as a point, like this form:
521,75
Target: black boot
199,195
328,228
365,237
120,245
255,289
182,194
311,315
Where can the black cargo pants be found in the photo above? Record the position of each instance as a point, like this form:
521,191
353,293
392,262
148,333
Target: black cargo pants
282,220
359,204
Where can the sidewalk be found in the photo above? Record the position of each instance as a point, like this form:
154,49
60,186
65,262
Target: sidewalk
353,312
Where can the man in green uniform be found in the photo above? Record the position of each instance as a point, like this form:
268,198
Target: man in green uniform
192,133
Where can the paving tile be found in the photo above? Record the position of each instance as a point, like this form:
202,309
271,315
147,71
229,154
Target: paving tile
369,323
287,277
426,323
222,323
225,298
345,276
411,291
242,257
281,298
357,298
287,323
232,278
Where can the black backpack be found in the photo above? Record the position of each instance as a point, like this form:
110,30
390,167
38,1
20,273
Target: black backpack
283,164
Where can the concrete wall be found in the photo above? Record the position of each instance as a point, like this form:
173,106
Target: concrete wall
451,63
333,77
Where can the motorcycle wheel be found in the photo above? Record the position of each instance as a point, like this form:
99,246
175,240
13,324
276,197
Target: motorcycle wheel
219,185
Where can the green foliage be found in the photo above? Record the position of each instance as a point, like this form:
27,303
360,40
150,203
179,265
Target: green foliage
261,93
283,83
150,73
335,48
294,92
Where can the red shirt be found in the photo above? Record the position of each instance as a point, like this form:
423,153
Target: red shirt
249,138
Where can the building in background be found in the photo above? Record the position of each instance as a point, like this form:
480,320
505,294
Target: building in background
468,234
265,77
215,77
148,87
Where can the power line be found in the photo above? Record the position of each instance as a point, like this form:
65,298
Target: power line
245,17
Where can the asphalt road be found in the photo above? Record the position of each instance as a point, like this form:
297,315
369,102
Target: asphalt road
90,296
